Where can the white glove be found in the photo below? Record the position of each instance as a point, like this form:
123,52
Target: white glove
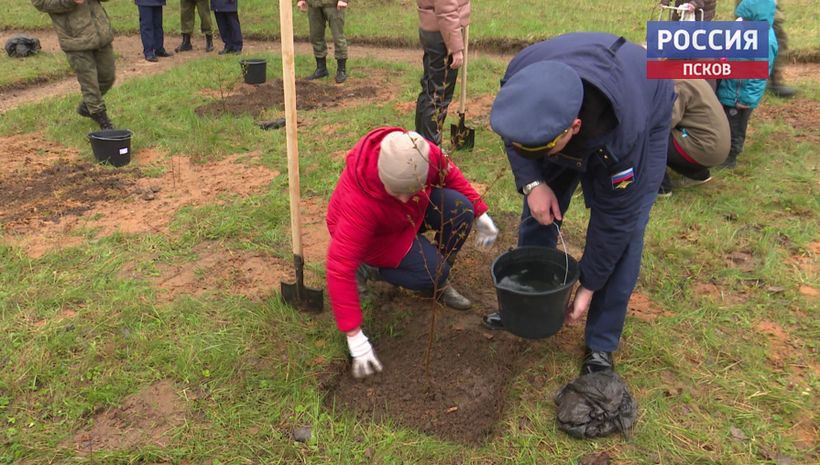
364,359
487,232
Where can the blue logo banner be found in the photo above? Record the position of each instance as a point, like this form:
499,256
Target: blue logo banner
686,40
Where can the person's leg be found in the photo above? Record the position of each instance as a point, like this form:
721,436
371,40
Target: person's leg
186,16
147,31
236,32
84,65
777,85
738,120
222,26
422,269
450,216
437,85
106,68
336,21
159,33
681,163
204,11
607,311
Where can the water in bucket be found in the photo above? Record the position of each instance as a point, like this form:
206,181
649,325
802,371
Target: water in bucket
540,279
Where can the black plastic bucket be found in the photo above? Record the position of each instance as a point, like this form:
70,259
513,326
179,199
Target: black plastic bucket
112,146
254,70
533,286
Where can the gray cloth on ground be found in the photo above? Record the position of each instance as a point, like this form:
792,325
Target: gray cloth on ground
595,405
20,46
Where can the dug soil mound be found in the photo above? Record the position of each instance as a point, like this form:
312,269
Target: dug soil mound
255,99
461,395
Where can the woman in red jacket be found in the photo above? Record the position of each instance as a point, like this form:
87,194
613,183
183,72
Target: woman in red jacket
395,186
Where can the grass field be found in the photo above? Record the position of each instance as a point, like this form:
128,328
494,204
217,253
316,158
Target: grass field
725,371
494,23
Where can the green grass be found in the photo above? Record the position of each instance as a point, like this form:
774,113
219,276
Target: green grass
38,68
493,21
246,367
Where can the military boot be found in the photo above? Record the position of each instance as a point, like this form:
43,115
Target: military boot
185,45
82,110
321,70
341,70
209,42
102,119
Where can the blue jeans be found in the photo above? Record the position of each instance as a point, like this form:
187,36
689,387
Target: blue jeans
426,265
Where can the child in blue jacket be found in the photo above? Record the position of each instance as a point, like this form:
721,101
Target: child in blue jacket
740,97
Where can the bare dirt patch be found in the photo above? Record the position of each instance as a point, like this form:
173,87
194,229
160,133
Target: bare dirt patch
642,308
461,395
801,114
217,268
47,197
145,418
256,99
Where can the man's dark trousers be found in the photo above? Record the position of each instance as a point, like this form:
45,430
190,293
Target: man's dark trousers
607,311
450,215
437,86
151,31
229,30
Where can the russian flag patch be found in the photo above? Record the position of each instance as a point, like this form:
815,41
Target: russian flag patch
623,179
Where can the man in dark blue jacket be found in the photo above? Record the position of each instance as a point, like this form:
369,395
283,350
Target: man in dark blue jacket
151,32
574,109
226,13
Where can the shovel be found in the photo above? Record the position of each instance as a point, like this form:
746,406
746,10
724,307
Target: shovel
461,136
296,294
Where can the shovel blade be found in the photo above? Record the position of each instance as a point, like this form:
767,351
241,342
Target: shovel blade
461,136
302,297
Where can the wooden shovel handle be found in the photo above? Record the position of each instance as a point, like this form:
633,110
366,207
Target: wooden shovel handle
289,82
463,98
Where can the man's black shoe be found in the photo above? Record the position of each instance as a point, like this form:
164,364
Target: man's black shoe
151,58
666,187
492,321
163,53
595,361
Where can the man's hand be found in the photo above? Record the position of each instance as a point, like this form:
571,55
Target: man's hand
79,2
341,5
741,106
579,305
302,4
544,204
458,60
486,229
365,362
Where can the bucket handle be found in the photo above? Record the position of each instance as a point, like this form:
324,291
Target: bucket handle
561,236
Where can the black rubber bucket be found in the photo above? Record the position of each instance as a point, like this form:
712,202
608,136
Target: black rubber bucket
254,70
112,146
533,286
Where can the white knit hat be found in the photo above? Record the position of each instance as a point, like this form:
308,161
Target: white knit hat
403,162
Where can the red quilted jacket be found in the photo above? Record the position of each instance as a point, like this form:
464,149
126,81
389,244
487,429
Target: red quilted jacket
368,225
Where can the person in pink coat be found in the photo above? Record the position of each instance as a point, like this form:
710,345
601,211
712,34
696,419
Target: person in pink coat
395,186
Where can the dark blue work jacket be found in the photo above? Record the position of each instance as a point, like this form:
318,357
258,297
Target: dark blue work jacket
638,141
224,6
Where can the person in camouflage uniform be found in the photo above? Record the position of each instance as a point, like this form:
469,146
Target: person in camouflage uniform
86,37
776,84
186,15
332,12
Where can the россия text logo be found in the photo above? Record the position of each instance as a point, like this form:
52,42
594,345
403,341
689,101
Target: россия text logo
707,49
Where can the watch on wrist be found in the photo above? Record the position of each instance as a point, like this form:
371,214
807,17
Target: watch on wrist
529,187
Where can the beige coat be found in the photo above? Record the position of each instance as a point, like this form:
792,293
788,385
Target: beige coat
447,17
698,111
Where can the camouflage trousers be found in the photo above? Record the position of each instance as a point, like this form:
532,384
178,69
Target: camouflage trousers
95,72
186,16
317,18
